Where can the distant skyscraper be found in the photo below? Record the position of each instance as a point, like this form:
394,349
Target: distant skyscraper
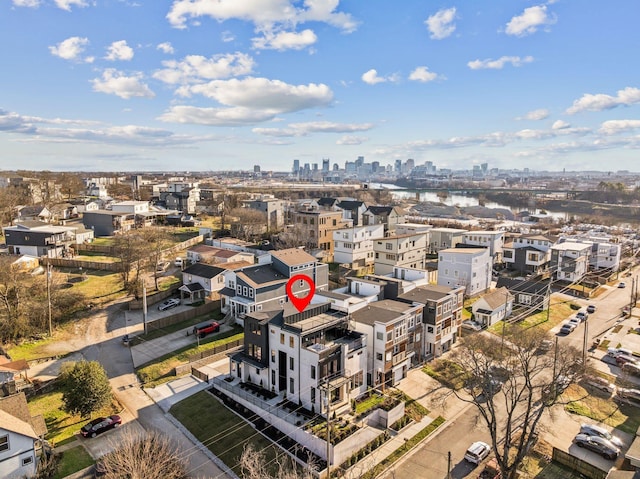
256,168
325,164
409,165
359,161
315,167
375,166
336,167
398,166
296,166
484,167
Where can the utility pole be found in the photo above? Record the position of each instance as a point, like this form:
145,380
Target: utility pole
633,285
49,297
144,307
585,339
548,299
328,399
449,465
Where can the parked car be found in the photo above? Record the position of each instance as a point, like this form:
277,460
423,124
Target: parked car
477,452
624,359
628,394
100,425
575,321
567,328
591,308
168,304
162,266
595,430
613,352
545,345
600,383
622,284
203,329
471,325
582,315
631,368
179,262
597,444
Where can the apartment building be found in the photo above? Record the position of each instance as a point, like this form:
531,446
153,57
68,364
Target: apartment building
400,251
604,254
569,260
441,317
443,238
394,336
354,246
493,240
468,267
527,253
315,229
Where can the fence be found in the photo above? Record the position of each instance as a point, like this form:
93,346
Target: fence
183,316
75,263
136,304
104,249
578,465
206,357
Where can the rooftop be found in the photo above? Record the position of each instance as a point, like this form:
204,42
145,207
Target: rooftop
385,311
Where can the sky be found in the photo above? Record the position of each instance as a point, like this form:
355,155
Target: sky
208,85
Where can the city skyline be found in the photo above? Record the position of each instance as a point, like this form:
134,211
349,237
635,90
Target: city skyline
226,85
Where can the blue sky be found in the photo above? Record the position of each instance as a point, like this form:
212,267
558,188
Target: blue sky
122,85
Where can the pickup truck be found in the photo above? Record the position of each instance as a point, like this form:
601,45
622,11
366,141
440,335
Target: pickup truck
491,470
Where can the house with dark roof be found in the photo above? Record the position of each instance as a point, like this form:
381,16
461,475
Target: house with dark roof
200,281
36,238
389,216
108,222
530,293
353,210
493,307
527,253
20,438
34,213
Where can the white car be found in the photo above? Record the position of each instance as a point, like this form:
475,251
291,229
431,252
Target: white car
471,325
595,430
477,452
168,304
179,262
600,383
615,352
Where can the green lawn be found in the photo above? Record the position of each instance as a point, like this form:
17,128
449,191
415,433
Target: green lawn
219,429
172,328
161,370
560,310
62,426
73,460
98,286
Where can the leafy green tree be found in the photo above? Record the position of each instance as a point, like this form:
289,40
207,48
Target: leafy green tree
86,388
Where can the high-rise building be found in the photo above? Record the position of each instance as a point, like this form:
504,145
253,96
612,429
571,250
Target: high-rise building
325,165
397,166
315,167
256,168
359,161
336,167
296,166
375,166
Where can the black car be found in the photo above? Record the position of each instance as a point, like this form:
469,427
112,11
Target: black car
100,425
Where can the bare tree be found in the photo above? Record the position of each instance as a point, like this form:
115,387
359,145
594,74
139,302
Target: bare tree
150,456
157,240
254,465
250,223
511,382
131,249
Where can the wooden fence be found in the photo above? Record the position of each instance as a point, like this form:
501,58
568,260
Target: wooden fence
578,465
208,356
183,316
136,304
85,265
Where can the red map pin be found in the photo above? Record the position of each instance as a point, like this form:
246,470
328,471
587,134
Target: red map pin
300,303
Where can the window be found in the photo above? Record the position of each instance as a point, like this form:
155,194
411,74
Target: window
245,291
291,385
273,377
291,341
273,356
291,363
281,338
380,336
389,246
251,292
379,356
313,395
4,443
389,335
429,329
27,460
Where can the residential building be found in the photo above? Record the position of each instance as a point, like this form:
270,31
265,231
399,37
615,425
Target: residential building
604,254
441,316
315,229
468,267
35,238
443,238
352,210
272,207
34,213
412,228
530,294
131,207
494,240
202,253
393,330
107,222
493,307
389,216
354,246
202,281
527,253
400,250
569,261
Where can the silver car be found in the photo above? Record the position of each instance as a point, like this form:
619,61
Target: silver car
595,430
598,444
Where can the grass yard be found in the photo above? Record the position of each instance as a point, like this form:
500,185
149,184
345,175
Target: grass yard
621,416
161,370
98,286
172,328
369,403
447,372
73,460
62,426
560,310
219,429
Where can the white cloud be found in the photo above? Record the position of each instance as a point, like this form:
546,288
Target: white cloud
196,68
560,125
499,63
165,47
440,24
227,36
215,116
70,49
303,129
263,94
27,3
371,77
539,114
601,101
265,14
285,40
422,74
529,21
613,127
349,140
119,51
114,82
66,4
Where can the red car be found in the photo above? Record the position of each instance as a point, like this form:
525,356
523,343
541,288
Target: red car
100,425
206,328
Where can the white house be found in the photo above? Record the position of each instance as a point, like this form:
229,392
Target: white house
202,280
493,307
494,240
443,238
400,250
132,207
354,246
18,442
468,267
570,260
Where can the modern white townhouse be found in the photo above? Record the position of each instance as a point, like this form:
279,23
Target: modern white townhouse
400,250
494,240
468,267
527,253
569,260
443,238
354,246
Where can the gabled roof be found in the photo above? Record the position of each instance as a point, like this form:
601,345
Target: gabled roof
15,366
350,204
383,210
13,424
16,406
191,287
203,270
261,275
497,298
326,201
293,256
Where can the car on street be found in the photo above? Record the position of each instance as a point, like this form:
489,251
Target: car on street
477,452
598,444
613,352
631,368
622,284
591,308
179,262
162,266
567,328
629,394
100,425
205,328
576,321
471,325
624,359
582,315
600,383
545,345
168,304
595,430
